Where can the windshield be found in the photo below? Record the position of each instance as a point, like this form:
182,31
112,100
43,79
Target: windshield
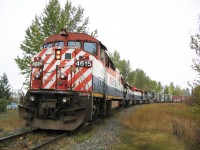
48,45
59,44
90,47
74,44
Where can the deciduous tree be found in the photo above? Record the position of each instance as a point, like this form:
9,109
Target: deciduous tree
50,22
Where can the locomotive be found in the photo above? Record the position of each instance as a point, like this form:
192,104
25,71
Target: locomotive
72,82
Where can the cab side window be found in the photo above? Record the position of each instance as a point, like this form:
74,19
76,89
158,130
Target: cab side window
90,47
102,55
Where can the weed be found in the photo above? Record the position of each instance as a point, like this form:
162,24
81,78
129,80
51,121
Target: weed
161,126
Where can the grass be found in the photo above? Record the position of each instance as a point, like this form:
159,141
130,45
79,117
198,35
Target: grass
9,120
161,127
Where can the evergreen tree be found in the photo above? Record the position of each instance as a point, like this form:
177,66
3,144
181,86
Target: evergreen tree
50,22
186,92
4,87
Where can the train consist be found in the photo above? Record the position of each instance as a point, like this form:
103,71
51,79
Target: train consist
72,82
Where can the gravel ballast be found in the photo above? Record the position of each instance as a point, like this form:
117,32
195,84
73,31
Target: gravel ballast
106,134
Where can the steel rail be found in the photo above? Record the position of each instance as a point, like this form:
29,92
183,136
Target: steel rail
40,146
16,135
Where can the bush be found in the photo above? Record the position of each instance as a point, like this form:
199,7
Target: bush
196,95
189,101
3,104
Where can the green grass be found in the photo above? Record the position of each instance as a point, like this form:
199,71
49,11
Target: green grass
161,127
9,120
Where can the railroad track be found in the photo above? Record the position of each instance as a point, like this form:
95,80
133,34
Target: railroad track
49,142
35,137
30,139
3,139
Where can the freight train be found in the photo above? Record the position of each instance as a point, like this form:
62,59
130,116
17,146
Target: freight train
72,82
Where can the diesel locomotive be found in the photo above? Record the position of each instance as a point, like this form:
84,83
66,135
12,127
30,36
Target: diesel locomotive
72,82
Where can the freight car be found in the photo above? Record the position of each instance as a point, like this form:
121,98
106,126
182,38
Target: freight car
178,98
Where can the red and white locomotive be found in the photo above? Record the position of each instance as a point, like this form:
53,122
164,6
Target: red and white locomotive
72,81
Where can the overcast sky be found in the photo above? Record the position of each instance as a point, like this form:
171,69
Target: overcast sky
153,34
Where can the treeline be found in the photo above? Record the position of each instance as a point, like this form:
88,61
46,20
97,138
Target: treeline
141,80
4,92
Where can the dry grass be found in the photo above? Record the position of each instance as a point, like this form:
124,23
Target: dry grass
9,120
161,126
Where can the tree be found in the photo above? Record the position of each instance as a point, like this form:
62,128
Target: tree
30,46
137,78
154,86
171,88
186,92
159,87
131,77
50,22
195,45
166,90
140,79
4,87
125,68
178,90
196,95
115,57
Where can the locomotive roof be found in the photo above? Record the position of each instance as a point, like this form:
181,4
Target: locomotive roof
72,36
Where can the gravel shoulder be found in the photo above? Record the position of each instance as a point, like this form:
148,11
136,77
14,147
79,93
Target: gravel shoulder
105,135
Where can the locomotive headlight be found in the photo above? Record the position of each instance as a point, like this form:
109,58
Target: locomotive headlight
58,54
32,98
37,75
66,99
63,76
